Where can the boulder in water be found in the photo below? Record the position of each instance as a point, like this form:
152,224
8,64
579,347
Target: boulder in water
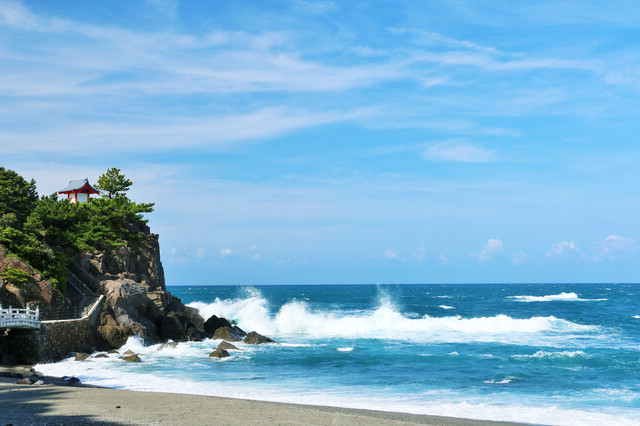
254,338
227,346
214,323
81,356
167,345
227,333
131,358
219,353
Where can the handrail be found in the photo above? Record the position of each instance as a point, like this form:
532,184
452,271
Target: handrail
20,318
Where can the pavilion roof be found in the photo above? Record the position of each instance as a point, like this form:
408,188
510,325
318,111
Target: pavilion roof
81,185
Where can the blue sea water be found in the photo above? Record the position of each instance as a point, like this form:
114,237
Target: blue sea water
538,353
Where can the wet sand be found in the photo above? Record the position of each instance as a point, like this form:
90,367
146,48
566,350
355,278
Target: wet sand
56,402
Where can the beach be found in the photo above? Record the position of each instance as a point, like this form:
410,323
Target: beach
62,404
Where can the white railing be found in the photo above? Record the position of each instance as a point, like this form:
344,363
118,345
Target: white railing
20,318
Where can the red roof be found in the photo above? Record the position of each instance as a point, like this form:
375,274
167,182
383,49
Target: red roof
82,186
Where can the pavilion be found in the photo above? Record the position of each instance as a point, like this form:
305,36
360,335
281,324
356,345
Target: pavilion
78,191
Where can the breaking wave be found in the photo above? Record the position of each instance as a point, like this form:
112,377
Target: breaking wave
385,321
572,297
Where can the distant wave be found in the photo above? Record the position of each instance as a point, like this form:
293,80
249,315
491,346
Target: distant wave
553,355
385,321
446,307
573,297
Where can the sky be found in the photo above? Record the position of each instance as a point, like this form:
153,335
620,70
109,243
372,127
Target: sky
311,142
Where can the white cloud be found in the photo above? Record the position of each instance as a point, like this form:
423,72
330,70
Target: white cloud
492,248
460,151
419,253
390,254
562,247
225,252
615,246
215,132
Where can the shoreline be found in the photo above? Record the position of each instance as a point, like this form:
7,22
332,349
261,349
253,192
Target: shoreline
57,402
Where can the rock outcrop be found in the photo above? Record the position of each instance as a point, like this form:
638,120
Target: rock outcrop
254,338
219,353
136,301
37,291
229,334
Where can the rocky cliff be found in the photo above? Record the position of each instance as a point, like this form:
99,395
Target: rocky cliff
36,291
136,302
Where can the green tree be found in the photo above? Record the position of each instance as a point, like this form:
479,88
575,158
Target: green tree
15,276
17,196
113,183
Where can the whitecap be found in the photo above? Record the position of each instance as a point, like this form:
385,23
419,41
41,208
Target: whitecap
446,307
564,297
345,349
545,354
498,382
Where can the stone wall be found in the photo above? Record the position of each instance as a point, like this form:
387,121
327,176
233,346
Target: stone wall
54,341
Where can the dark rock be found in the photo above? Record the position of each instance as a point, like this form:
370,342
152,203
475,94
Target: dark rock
72,381
129,352
214,323
168,345
227,346
101,356
9,359
254,338
81,356
219,353
173,327
131,358
227,333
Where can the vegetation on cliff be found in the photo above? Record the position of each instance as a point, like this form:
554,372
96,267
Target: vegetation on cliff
42,230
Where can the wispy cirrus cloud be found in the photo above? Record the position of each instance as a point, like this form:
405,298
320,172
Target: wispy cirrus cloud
460,151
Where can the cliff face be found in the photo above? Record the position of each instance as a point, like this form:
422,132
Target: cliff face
138,261
137,303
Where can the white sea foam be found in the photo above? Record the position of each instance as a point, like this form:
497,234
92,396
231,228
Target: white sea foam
550,355
296,318
564,297
636,316
345,349
446,307
498,382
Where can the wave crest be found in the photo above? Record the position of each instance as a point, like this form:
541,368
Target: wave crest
385,321
573,297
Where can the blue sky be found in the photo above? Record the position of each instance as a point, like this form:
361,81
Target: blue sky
296,141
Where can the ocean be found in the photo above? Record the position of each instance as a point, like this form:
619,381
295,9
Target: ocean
539,353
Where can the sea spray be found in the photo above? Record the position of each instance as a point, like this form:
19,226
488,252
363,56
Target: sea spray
384,321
